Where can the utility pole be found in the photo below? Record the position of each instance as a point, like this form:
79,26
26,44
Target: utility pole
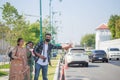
50,10
41,38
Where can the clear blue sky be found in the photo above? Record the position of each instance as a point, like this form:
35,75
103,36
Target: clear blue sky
79,17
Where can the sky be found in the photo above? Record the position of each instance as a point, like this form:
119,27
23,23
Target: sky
78,17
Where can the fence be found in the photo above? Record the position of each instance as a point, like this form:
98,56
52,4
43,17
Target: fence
4,48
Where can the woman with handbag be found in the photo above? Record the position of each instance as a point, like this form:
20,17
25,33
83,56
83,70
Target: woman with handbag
19,70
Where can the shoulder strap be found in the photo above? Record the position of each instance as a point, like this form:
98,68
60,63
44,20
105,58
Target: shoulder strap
43,49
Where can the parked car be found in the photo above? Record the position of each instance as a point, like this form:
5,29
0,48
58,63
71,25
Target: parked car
113,53
98,55
54,54
77,56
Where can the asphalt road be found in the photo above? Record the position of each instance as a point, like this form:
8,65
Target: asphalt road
95,71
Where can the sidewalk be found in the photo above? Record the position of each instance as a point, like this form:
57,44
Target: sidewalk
56,75
57,71
4,77
2,63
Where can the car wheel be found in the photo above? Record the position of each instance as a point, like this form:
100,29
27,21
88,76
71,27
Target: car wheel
86,64
106,61
117,58
83,65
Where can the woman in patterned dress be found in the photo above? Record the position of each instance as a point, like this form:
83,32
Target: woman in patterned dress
19,70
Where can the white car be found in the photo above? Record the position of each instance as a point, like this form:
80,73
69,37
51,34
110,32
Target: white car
113,53
77,56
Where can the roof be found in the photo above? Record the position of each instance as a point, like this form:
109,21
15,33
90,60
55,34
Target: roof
102,27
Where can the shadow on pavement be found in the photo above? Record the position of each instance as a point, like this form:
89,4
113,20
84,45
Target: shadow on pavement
114,62
76,78
78,66
92,66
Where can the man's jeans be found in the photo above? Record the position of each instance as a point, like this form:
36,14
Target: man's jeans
38,67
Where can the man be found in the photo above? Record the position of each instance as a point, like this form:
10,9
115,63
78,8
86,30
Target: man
42,51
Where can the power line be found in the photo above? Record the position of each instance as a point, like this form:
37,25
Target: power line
31,15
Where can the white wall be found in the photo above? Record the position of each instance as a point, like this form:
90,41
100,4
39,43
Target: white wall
111,43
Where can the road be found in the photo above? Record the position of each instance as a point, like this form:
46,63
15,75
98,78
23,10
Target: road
95,71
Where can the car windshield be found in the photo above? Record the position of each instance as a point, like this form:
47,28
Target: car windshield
77,51
100,52
114,49
100,55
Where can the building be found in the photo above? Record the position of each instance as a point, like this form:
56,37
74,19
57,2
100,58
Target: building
102,34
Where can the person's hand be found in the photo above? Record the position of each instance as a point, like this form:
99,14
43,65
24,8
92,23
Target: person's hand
18,58
66,46
42,57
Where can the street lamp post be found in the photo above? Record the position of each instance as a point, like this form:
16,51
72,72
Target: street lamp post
50,16
41,20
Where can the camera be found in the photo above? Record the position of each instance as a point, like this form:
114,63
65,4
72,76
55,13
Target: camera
44,60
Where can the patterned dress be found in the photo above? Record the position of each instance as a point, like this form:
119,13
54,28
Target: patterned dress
19,70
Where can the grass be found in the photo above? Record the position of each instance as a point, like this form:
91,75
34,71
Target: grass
5,66
2,67
51,69
3,73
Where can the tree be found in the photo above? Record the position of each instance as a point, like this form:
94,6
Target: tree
118,28
3,30
19,27
88,40
113,25
16,22
9,14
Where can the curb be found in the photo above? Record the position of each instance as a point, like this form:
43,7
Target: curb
56,75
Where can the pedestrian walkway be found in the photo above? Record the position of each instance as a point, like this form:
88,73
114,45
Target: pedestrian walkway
2,63
6,70
4,78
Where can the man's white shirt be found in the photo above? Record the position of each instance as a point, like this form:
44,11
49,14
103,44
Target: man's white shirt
40,61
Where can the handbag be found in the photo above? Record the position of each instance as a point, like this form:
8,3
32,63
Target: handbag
10,54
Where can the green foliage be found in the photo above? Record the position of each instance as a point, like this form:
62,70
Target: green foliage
118,28
16,23
16,26
3,73
10,14
33,32
88,40
3,30
114,26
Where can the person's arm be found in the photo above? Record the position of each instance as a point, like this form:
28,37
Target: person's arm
56,46
62,46
14,52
